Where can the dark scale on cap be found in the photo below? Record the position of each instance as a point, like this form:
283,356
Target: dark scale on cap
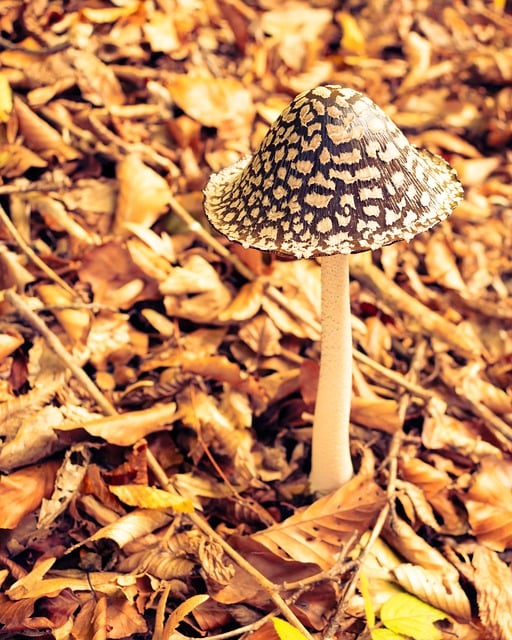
333,175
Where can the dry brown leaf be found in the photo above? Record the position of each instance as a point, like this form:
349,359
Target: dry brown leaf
216,102
113,287
126,429
128,528
40,137
493,583
34,437
262,336
75,322
317,533
438,488
9,342
429,586
441,264
475,171
96,80
181,612
21,492
441,431
143,194
16,159
402,537
245,304
489,503
58,219
380,414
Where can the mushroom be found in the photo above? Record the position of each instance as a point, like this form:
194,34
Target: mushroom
333,176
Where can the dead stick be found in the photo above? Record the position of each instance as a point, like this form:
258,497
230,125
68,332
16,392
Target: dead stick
31,255
395,297
60,350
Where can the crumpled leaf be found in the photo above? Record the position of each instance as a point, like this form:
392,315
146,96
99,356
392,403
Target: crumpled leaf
125,429
433,588
143,194
489,503
21,492
216,102
132,526
493,583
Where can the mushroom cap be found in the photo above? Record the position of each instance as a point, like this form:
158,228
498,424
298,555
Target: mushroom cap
333,175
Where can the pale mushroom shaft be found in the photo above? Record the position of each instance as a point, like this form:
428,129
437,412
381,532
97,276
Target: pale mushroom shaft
331,464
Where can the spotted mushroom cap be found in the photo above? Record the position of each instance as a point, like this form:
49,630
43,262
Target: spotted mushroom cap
333,175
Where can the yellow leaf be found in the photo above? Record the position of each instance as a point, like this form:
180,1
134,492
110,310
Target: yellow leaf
5,99
386,634
286,631
406,614
137,495
368,607
353,38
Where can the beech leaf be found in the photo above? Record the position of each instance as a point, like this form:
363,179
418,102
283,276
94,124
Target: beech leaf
407,615
137,495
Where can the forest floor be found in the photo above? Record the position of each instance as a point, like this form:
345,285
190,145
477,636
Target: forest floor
158,383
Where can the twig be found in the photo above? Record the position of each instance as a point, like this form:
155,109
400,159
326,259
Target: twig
47,51
60,350
394,376
429,322
258,577
31,255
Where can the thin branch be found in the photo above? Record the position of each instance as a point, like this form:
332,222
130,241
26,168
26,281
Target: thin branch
31,255
60,350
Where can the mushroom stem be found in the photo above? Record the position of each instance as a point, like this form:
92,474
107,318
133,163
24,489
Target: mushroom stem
331,465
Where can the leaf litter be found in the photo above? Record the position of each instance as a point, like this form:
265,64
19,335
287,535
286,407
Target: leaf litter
154,471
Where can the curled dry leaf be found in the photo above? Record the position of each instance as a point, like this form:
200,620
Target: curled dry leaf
9,342
21,492
442,593
441,264
493,583
216,102
489,503
75,322
245,304
40,137
128,528
402,537
15,160
143,194
67,483
437,487
126,429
